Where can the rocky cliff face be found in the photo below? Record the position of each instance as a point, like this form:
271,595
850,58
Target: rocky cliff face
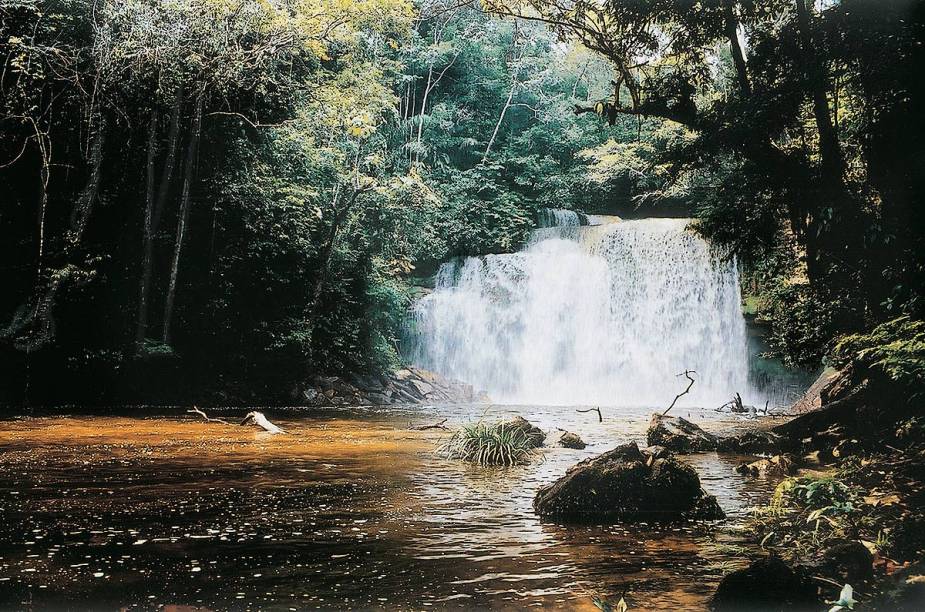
406,386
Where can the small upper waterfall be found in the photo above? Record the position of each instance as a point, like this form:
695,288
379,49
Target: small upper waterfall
602,314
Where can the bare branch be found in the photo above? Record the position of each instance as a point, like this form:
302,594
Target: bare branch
600,418
686,374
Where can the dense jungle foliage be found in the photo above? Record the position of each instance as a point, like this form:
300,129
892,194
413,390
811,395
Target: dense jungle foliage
220,198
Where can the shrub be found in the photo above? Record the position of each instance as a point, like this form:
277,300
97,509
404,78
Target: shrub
488,444
895,349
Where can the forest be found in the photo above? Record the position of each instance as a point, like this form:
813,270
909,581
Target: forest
232,195
402,228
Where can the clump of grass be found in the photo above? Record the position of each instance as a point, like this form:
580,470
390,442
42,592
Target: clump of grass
488,444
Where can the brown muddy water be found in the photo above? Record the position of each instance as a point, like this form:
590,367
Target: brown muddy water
350,509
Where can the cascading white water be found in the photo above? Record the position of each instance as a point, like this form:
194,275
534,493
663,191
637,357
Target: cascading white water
607,314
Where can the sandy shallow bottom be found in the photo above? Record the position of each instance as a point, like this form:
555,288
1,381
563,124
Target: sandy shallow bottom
350,509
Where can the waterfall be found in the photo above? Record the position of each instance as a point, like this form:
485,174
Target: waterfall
559,217
602,314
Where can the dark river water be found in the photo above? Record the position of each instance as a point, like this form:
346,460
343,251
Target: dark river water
349,509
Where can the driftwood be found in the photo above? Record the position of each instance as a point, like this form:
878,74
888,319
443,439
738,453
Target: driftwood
687,374
440,425
196,410
257,418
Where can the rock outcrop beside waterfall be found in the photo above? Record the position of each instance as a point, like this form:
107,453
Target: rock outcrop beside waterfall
627,484
405,386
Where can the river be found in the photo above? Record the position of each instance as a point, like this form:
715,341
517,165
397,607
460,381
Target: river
350,509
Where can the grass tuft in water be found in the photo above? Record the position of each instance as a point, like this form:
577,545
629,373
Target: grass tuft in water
488,444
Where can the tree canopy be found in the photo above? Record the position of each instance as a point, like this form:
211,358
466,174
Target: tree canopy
232,195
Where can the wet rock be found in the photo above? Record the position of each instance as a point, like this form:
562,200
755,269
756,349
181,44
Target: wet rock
368,383
406,386
533,433
752,443
838,385
778,465
767,585
380,399
406,397
848,561
325,382
625,484
656,452
812,399
571,440
422,387
679,435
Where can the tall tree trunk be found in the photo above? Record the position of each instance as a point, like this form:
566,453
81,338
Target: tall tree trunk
170,164
141,327
324,257
417,149
817,81
44,178
835,232
183,215
731,26
155,206
84,206
822,241
507,105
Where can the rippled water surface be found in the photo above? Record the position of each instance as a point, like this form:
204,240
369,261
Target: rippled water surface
349,509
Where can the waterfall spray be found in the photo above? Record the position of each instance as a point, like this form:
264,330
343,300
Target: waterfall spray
604,314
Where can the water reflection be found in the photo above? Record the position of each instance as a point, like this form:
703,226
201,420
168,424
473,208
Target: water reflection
351,509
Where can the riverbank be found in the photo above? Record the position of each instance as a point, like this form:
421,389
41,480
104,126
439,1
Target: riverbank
850,519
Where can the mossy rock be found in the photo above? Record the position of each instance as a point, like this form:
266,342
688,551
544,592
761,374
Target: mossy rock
626,484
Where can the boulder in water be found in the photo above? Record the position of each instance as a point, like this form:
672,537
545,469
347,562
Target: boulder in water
767,585
679,435
752,443
530,431
571,440
625,484
778,465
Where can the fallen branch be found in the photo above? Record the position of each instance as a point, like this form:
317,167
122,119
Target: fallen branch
257,418
687,374
440,425
196,410
600,419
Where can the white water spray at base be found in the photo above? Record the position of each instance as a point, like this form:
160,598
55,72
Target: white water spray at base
607,315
